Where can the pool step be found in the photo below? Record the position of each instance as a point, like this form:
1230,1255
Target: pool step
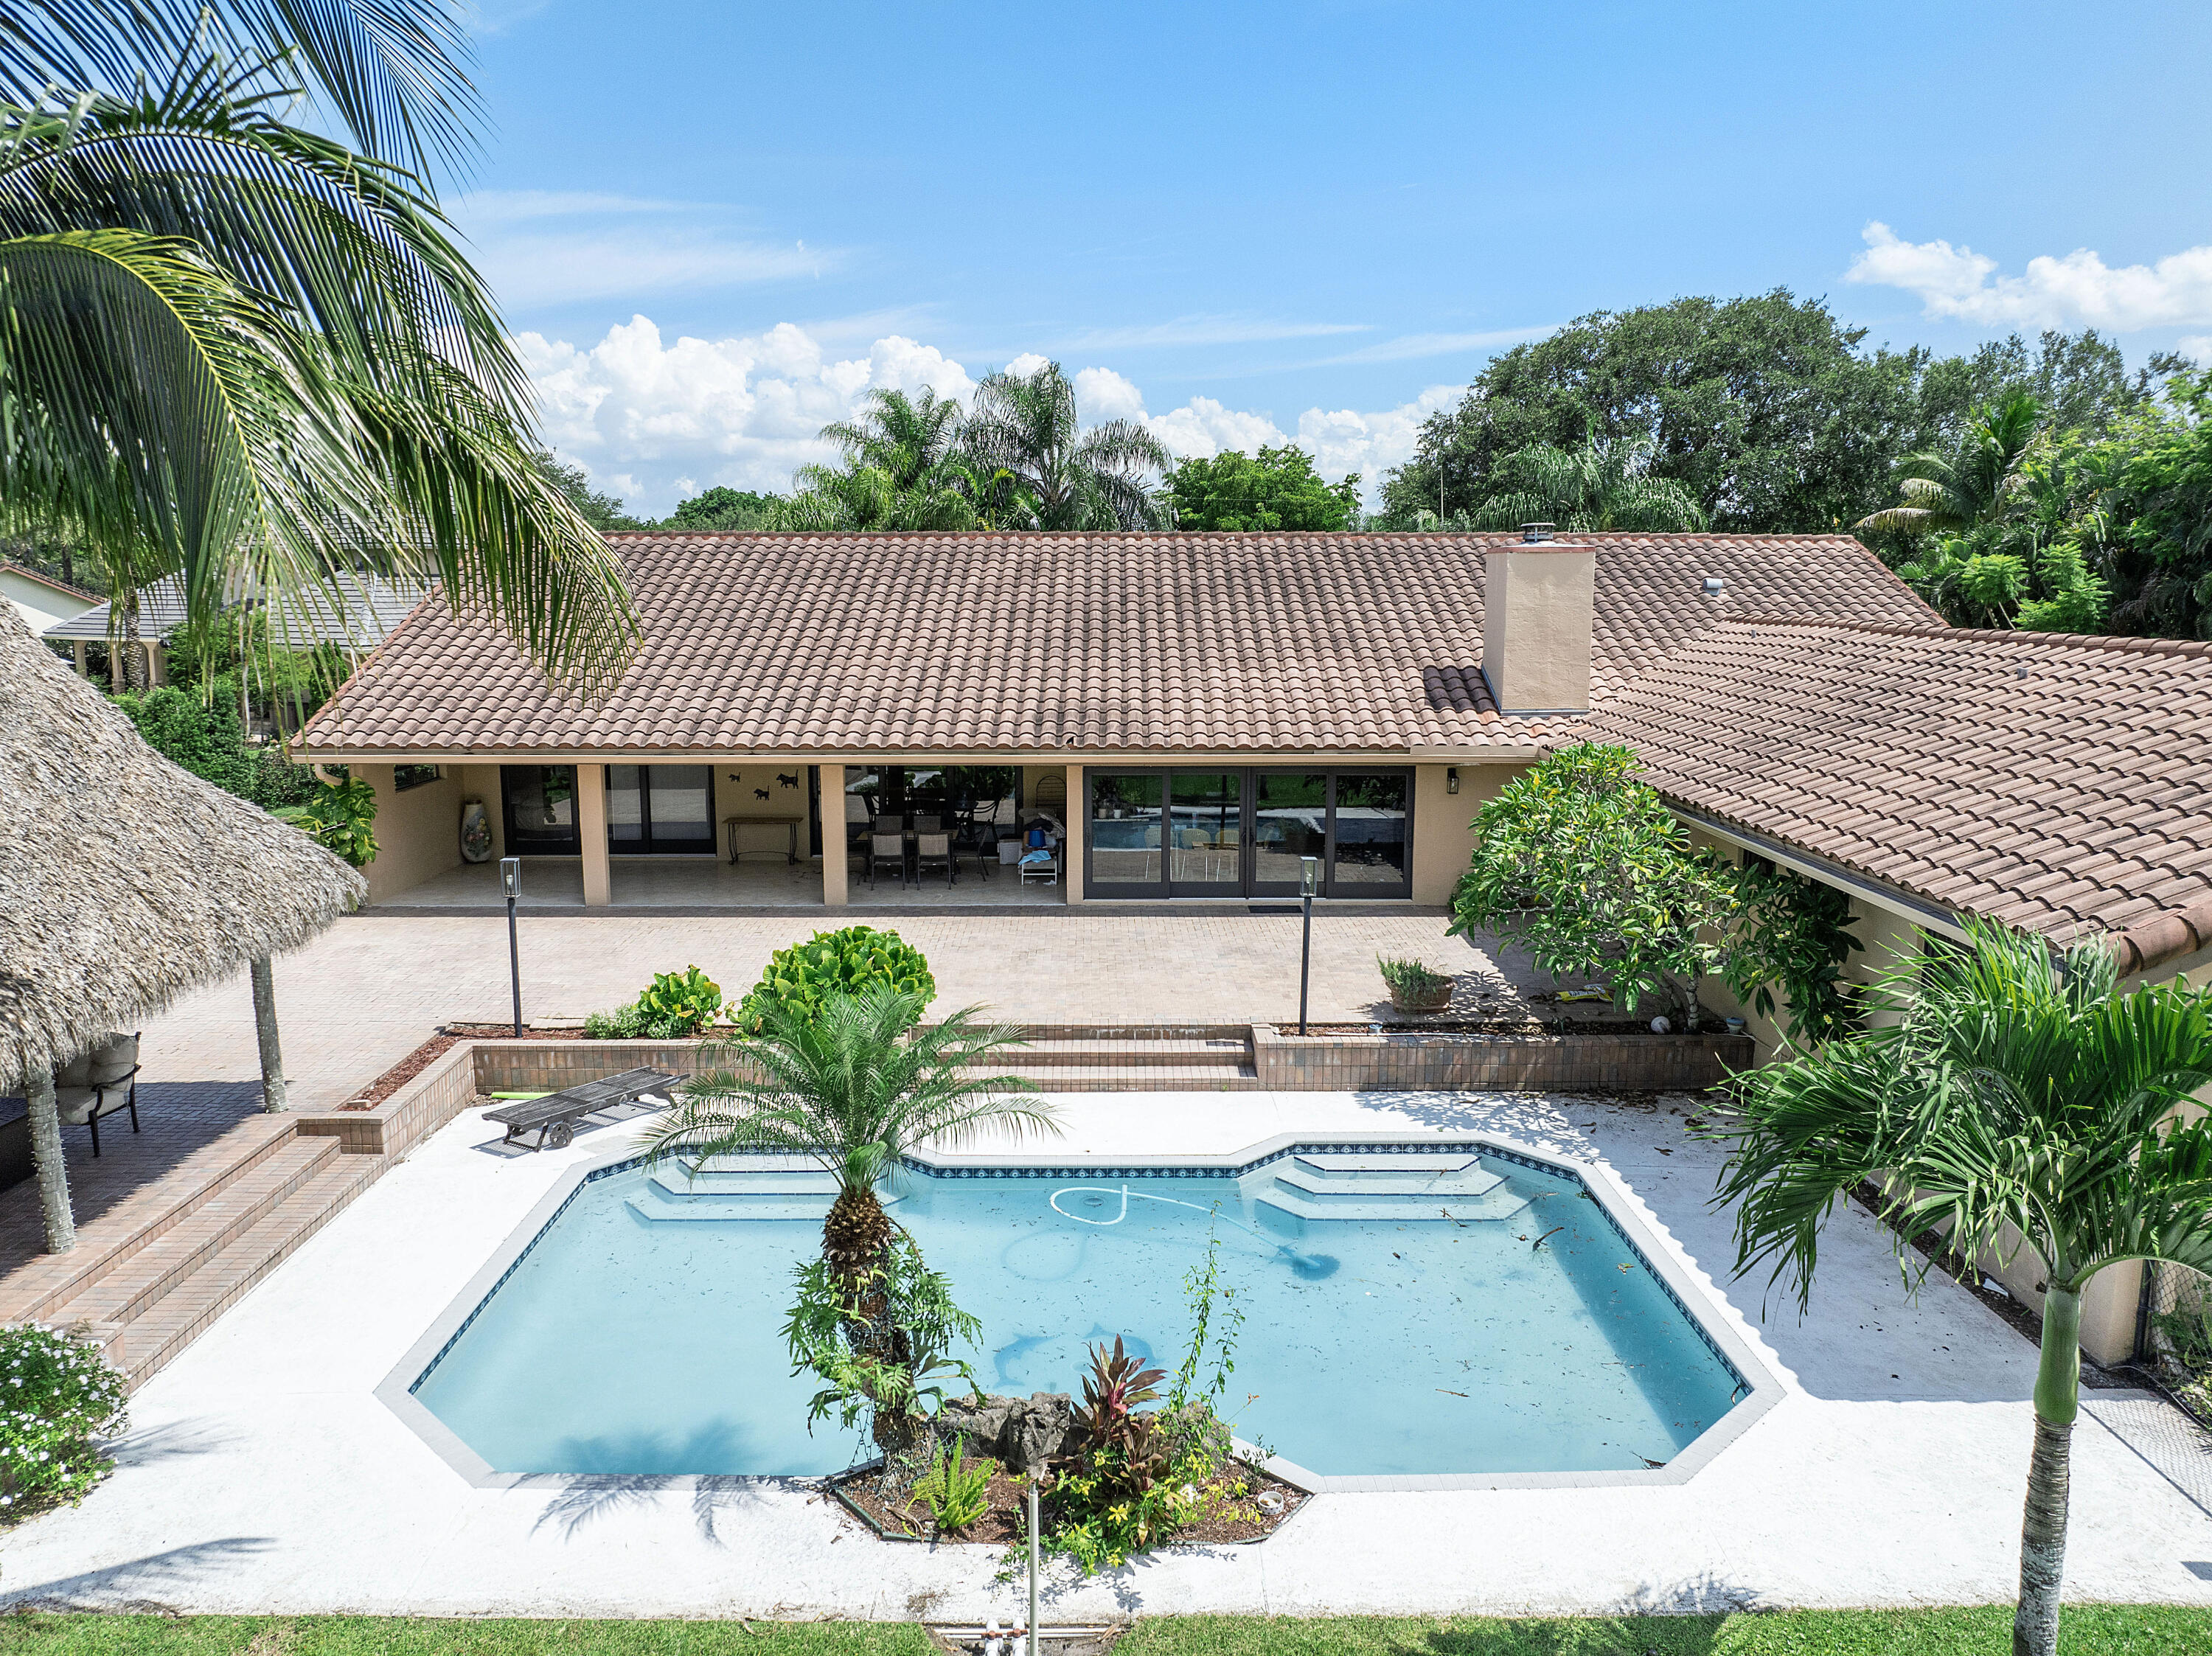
784,1187
657,1206
768,1183
1502,1204
1354,1163
1336,1184
1366,1184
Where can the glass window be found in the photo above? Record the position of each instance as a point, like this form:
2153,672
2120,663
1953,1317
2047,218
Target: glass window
683,807
1371,832
1125,830
1289,821
1208,823
625,807
404,777
541,808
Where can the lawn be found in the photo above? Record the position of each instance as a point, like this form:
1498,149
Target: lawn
2090,1631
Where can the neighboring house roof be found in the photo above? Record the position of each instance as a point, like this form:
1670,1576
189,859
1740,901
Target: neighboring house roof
357,615
39,598
2056,783
1057,643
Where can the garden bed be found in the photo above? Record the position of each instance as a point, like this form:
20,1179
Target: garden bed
896,1515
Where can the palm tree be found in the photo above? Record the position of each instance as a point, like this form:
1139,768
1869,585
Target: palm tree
908,438
902,470
2020,1099
1977,483
855,1087
1025,426
1596,486
235,350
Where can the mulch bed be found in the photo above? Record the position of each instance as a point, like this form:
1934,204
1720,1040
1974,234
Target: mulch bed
444,1041
1001,1523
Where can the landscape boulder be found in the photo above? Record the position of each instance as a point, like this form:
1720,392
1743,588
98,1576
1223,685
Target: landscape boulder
1020,1434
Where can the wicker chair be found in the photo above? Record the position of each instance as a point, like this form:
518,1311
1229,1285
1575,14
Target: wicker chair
934,850
887,847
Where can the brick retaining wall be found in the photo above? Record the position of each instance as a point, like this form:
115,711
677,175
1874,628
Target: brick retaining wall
1448,1063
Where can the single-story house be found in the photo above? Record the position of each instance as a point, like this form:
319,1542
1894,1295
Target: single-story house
355,612
1191,715
41,599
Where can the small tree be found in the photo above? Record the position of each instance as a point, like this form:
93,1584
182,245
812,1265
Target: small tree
1584,865
2018,1100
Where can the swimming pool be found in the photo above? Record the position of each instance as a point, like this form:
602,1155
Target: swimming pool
1413,1310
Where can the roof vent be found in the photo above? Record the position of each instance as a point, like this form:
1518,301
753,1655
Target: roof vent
1714,585
1531,533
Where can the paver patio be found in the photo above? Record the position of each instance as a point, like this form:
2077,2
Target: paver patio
262,1474
372,988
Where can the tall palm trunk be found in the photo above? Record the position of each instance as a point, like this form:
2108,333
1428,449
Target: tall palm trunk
2043,1527
133,654
856,1239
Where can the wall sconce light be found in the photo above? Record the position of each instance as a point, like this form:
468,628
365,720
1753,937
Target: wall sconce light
1451,779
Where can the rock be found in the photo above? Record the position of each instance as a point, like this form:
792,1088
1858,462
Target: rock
1021,1434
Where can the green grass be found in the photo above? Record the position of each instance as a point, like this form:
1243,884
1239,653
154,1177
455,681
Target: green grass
2089,1630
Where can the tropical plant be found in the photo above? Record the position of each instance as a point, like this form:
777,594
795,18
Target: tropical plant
1411,978
1595,487
202,735
2018,1100
1796,935
1025,425
674,1006
1210,1296
58,1397
721,510
1977,483
1581,862
337,816
881,1340
802,976
852,1083
238,351
955,1490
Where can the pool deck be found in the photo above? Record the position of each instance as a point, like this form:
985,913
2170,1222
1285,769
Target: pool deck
262,1474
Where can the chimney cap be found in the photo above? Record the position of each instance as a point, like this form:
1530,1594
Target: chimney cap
1533,533
1714,584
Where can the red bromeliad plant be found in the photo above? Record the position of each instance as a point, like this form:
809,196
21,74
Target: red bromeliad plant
1119,1445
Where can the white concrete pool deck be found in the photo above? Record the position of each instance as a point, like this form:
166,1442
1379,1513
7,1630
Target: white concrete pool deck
261,1473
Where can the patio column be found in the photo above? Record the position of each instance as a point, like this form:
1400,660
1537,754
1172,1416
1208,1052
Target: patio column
46,1152
264,1031
1071,850
836,865
591,827
83,668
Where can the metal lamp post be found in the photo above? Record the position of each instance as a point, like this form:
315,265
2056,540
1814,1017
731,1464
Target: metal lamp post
1308,882
510,882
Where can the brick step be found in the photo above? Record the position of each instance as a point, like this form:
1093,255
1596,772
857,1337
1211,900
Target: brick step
1096,1055
36,1291
1148,1077
141,1347
134,1285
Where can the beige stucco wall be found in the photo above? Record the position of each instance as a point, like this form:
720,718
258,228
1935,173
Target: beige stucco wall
1443,823
1536,619
418,833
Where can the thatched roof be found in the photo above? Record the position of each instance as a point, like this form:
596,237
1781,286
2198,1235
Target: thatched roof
125,881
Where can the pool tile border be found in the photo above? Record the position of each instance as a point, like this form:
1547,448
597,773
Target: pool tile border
1759,1389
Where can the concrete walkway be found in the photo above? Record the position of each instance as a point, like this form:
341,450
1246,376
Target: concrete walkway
262,1474
372,988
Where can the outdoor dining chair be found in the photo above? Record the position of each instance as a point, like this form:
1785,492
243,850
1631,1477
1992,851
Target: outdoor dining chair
934,850
100,1082
887,847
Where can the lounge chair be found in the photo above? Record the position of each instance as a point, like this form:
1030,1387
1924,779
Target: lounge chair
100,1082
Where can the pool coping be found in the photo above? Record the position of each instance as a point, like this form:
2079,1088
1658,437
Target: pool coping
1615,1198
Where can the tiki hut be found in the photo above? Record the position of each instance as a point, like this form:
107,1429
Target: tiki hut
124,881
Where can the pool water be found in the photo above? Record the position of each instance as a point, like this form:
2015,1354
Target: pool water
1452,1313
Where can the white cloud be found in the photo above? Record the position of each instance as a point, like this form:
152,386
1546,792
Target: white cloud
657,420
2079,290
543,247
2197,345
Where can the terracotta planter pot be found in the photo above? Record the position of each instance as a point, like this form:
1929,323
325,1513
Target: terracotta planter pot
1419,1003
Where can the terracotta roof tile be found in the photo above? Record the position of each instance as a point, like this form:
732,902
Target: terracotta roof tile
1054,643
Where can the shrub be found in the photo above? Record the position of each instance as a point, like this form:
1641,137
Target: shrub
673,1006
57,1393
850,961
954,1491
336,818
1411,978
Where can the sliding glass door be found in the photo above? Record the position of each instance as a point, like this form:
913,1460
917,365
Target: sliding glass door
1245,832
540,804
660,809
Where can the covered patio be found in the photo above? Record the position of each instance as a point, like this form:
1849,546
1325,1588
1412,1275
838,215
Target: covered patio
715,885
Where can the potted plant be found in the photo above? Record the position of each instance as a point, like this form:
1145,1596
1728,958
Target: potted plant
1414,988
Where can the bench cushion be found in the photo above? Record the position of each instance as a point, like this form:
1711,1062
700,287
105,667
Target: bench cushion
114,1058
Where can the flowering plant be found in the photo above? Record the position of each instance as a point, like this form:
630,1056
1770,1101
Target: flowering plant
58,1395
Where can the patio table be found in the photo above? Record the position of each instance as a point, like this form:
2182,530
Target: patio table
791,823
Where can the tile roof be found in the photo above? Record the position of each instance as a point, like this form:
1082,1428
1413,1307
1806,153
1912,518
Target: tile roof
2056,783
1006,643
44,579
357,614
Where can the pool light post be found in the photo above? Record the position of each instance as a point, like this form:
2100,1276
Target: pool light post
1308,882
1031,1645
510,882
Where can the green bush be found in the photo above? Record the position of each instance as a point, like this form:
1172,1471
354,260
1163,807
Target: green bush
1410,977
57,1393
337,818
954,1491
854,959
674,1006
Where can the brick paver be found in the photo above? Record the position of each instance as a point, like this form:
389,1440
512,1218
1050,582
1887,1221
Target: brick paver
372,988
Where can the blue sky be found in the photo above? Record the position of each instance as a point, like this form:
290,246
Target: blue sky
1303,220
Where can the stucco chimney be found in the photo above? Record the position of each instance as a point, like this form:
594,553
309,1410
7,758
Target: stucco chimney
1538,599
